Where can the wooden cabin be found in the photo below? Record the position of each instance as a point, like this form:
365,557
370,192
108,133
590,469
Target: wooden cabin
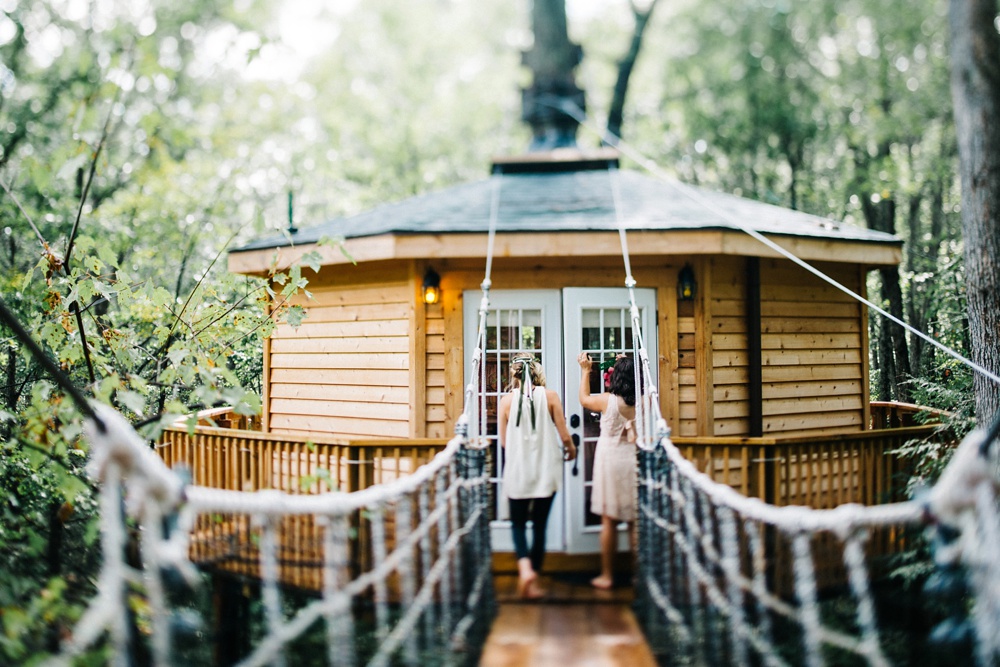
752,352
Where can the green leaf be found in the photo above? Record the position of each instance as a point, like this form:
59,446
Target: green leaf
177,355
69,168
134,401
107,255
313,260
93,264
295,316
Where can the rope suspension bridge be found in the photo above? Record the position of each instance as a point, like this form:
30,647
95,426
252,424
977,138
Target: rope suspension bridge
721,579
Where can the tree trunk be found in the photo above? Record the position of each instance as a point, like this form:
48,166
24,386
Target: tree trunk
625,65
975,87
886,366
892,341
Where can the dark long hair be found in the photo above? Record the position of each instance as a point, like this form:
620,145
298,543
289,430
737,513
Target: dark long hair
623,380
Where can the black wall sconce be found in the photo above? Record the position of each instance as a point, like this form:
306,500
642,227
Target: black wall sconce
686,286
432,286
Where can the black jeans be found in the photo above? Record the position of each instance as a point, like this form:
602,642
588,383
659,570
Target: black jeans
537,511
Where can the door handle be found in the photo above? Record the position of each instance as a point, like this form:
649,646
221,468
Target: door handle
576,443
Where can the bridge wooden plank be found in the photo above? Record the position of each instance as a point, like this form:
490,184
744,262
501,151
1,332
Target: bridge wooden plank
597,635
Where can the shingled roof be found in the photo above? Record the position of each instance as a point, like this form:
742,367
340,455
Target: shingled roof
574,201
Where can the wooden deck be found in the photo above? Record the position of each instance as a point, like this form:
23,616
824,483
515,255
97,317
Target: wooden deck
575,624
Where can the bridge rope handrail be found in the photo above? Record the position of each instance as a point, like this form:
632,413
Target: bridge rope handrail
684,513
120,456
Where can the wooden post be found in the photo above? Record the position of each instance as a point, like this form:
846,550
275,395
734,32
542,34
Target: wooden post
866,417
705,383
418,352
755,397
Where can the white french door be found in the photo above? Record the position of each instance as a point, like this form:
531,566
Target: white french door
555,325
596,321
518,321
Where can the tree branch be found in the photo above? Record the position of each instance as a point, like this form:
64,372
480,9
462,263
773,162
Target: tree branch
616,111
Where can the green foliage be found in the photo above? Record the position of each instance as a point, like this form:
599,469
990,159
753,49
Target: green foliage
949,390
48,562
134,153
117,209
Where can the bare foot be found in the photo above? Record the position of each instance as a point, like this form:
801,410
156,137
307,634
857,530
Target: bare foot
533,592
602,582
525,584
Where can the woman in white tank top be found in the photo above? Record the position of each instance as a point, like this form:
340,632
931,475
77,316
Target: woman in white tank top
533,432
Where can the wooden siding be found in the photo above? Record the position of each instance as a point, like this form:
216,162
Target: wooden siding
729,349
371,360
813,353
346,370
438,425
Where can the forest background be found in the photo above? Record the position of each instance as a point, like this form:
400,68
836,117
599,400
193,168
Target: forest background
139,140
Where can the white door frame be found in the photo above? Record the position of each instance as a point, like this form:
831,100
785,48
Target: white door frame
511,303
608,302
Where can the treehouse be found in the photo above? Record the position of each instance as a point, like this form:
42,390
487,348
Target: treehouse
762,367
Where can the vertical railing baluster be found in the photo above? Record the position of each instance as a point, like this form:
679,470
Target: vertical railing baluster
269,574
376,520
341,647
423,509
406,571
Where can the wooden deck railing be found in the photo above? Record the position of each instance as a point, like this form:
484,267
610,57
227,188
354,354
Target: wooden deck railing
892,414
240,460
821,472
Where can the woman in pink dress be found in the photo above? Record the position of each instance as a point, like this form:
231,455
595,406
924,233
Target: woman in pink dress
613,495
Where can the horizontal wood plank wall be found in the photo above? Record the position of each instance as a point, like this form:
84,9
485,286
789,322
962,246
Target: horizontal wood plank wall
437,424
729,348
812,351
346,370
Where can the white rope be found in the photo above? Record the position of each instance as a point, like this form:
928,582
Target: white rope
647,405
120,458
965,498
496,181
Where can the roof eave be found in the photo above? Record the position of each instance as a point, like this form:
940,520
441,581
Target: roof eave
398,246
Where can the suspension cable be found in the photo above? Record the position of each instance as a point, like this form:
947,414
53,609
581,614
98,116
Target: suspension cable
476,422
572,110
647,404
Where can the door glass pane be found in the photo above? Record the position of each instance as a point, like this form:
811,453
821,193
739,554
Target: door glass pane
590,322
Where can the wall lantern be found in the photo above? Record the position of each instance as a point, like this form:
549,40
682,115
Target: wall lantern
686,286
432,286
